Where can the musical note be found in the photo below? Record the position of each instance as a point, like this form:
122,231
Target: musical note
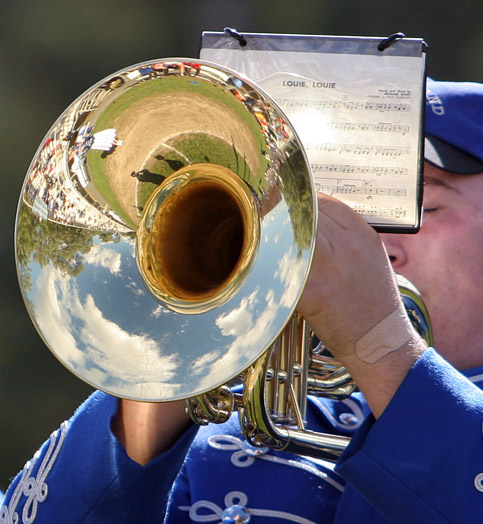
359,149
372,212
347,105
358,169
357,187
380,127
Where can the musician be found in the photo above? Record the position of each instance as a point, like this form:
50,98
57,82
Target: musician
416,454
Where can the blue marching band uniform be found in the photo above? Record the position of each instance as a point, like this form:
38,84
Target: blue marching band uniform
421,462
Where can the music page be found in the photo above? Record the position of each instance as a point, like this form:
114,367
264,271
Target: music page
356,110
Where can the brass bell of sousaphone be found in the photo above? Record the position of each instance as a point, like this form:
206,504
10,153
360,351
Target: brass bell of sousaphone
164,235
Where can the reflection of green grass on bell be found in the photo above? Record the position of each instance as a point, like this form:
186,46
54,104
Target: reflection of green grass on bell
175,84
299,198
97,172
199,148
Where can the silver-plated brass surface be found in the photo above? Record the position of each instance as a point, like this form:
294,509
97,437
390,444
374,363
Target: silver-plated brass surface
85,196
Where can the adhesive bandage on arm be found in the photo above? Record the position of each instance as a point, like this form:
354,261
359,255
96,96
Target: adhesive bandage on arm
387,336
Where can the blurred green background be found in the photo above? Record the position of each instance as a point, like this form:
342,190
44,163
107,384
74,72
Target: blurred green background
52,50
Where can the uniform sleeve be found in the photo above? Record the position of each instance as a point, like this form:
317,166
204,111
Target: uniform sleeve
422,460
82,474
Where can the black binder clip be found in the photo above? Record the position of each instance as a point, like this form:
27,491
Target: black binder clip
236,35
387,42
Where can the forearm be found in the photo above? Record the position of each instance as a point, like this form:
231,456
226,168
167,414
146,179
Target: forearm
352,303
380,380
148,429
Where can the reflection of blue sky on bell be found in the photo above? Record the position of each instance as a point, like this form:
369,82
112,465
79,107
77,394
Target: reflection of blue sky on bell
256,314
94,321
106,326
248,321
292,271
84,332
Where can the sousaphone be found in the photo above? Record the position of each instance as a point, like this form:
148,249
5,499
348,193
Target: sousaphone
165,233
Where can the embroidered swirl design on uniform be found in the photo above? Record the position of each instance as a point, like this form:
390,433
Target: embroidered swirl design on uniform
34,488
347,420
236,502
245,455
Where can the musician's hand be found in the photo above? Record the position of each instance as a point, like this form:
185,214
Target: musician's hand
352,289
351,286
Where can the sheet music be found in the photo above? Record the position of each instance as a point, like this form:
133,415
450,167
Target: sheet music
356,110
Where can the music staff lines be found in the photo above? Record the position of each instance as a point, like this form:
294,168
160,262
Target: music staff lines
348,105
380,127
398,212
359,149
344,188
348,168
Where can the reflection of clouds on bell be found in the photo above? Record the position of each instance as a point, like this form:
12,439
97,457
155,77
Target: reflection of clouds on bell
97,349
198,366
104,257
250,326
134,355
52,316
273,224
249,322
291,270
270,217
239,320
184,327
139,291
159,311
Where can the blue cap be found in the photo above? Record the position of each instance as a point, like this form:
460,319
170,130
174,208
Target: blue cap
454,126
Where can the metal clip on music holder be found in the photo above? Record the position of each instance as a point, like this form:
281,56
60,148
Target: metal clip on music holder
389,41
236,35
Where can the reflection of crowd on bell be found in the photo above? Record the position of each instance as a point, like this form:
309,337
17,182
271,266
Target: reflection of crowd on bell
149,71
161,69
278,139
52,196
58,177
85,140
55,196
272,124
62,198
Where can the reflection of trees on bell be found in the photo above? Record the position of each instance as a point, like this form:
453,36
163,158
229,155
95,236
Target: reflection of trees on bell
295,180
48,243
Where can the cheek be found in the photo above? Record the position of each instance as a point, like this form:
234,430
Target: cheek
451,259
443,255
457,232
465,246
